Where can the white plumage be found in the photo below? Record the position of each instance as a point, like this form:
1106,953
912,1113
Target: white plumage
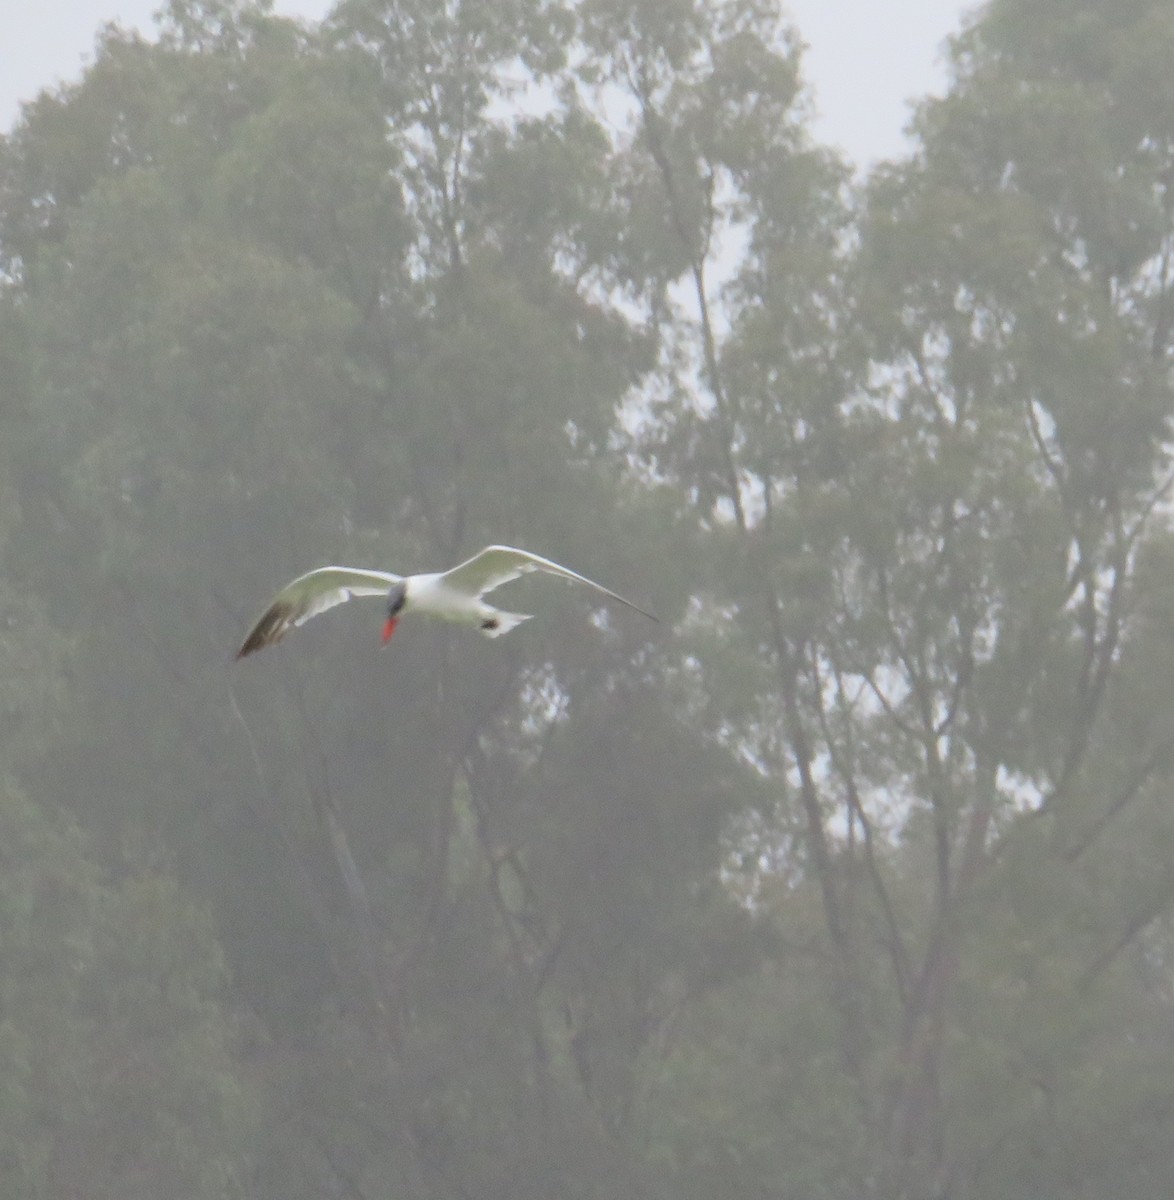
454,595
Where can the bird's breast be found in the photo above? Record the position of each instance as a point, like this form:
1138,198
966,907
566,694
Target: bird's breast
430,594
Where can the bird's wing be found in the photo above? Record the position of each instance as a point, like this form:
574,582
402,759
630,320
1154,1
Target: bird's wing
309,595
495,565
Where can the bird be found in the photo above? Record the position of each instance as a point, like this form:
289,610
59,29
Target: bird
453,595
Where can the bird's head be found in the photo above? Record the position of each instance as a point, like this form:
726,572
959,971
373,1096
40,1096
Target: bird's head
396,599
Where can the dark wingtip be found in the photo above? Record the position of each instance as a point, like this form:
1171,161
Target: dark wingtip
642,611
248,646
268,629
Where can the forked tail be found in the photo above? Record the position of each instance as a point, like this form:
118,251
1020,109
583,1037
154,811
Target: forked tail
502,622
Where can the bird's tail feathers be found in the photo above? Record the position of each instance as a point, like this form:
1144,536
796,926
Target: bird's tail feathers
503,622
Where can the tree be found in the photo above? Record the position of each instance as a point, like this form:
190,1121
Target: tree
246,348
938,579
116,1040
850,878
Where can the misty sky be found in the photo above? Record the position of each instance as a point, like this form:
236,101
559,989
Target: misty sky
865,59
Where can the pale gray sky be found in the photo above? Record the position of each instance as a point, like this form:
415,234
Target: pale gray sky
865,59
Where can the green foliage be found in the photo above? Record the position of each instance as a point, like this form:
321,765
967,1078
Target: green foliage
119,1070
849,879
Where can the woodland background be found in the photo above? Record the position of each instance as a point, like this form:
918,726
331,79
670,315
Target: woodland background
851,879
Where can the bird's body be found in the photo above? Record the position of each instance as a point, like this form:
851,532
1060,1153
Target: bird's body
428,593
454,595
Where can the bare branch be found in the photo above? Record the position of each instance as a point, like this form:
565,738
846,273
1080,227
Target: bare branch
843,765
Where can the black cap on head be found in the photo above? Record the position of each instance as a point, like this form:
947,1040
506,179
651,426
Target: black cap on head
396,598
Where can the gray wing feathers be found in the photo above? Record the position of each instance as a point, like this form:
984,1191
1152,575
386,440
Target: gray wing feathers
497,565
309,595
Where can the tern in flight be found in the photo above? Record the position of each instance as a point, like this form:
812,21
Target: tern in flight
454,595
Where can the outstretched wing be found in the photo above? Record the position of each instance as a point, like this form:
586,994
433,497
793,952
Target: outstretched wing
496,565
309,595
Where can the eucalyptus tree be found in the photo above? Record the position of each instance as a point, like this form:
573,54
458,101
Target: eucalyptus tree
308,296
930,457
848,881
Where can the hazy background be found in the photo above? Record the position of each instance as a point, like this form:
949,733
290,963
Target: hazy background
865,61
850,878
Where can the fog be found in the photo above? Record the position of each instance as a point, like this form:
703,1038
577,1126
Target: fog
847,877
864,63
